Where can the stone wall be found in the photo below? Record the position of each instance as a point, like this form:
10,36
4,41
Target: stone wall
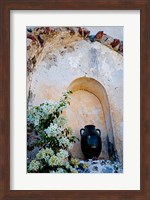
59,56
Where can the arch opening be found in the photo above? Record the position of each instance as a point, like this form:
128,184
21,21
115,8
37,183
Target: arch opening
91,96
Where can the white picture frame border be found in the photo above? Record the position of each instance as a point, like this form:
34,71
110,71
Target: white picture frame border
130,179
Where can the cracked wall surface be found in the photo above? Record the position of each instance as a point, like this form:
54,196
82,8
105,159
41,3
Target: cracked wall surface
63,55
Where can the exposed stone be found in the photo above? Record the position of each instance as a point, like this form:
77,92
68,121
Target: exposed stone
99,35
67,54
83,32
102,166
115,43
110,42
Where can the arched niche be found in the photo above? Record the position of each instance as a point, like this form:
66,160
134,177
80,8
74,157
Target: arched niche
95,88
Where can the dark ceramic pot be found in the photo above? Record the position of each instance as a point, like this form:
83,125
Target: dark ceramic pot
91,143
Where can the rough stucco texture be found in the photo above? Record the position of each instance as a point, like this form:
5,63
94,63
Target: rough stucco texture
64,59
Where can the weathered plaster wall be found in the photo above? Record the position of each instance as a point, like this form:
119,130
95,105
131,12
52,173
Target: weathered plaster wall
85,108
65,57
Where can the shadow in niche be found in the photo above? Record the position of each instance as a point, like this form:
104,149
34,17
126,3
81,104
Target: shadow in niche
96,88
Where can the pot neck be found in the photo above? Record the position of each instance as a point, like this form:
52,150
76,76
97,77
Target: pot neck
89,127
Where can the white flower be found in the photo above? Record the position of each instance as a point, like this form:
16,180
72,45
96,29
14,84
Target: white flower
60,170
65,141
34,165
70,145
60,121
53,130
55,161
45,154
62,154
48,107
68,166
42,111
47,118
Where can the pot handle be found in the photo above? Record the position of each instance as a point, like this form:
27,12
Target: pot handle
99,132
81,131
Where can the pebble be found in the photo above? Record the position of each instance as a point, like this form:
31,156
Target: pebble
101,166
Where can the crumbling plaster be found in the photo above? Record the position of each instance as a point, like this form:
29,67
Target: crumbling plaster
65,58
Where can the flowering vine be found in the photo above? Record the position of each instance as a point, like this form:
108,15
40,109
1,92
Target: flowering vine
56,139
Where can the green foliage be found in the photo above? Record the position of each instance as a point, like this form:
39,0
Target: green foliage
56,139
